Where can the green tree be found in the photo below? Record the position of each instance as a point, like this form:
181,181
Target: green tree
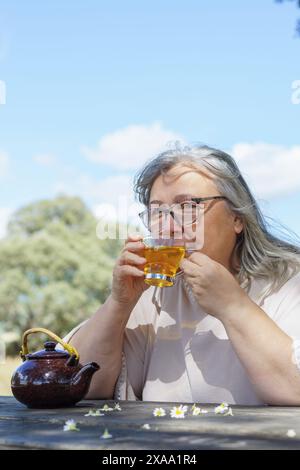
54,272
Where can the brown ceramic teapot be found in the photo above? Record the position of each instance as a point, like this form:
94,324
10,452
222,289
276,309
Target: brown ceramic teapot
51,378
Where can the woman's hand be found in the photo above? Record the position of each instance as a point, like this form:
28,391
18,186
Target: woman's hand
128,274
214,287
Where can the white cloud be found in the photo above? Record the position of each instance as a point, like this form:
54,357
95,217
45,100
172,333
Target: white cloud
5,39
111,198
270,170
131,146
110,189
5,213
126,150
4,162
117,199
103,190
45,159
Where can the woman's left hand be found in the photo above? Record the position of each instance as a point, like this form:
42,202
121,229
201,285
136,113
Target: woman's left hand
214,287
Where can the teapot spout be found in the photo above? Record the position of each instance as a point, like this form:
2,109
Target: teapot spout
84,375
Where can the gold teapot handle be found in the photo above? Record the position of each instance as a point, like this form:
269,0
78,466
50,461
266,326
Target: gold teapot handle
71,350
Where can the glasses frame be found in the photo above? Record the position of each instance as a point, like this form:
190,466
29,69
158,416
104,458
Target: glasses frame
197,200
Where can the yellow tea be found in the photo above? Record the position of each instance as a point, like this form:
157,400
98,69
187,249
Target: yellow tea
162,264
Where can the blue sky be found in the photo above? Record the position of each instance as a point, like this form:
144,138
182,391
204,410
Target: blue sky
86,78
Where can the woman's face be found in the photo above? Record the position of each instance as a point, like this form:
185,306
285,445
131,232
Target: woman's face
221,226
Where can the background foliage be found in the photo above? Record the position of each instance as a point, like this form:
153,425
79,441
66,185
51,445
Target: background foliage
54,272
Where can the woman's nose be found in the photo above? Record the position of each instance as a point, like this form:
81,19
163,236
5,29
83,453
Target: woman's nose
171,228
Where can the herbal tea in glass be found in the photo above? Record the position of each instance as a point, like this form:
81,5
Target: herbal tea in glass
163,258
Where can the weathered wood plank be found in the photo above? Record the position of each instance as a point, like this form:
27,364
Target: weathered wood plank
249,428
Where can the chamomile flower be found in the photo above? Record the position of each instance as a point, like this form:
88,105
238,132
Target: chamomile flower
223,409
117,407
158,412
198,411
178,411
106,408
70,425
106,434
291,433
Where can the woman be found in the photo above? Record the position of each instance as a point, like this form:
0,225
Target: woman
229,328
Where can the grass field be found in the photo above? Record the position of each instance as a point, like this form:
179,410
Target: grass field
6,371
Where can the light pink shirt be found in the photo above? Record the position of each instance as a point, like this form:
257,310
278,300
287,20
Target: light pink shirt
174,351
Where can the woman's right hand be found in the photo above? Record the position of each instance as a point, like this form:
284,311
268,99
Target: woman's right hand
128,275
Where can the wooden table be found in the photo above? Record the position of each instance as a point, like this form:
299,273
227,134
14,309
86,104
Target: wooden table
249,428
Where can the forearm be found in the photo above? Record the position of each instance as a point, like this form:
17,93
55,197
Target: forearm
100,339
265,352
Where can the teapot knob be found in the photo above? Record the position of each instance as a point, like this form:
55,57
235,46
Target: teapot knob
50,345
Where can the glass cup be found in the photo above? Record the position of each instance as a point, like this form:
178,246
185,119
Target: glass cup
163,258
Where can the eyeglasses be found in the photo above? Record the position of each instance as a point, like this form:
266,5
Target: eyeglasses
184,214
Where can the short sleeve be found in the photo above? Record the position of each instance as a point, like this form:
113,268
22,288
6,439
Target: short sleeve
285,306
70,335
286,313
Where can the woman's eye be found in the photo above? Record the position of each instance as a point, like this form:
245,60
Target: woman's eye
187,204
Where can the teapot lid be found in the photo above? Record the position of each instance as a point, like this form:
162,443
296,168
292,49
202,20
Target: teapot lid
49,352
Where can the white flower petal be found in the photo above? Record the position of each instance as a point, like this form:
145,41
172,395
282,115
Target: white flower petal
291,433
146,426
158,412
178,411
222,408
229,412
106,435
199,411
106,408
70,425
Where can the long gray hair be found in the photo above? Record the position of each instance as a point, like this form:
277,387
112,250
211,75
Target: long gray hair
261,254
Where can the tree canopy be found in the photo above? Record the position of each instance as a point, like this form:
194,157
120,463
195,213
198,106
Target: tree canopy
54,272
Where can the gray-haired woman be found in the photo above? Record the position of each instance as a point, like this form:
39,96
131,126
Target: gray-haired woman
229,328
